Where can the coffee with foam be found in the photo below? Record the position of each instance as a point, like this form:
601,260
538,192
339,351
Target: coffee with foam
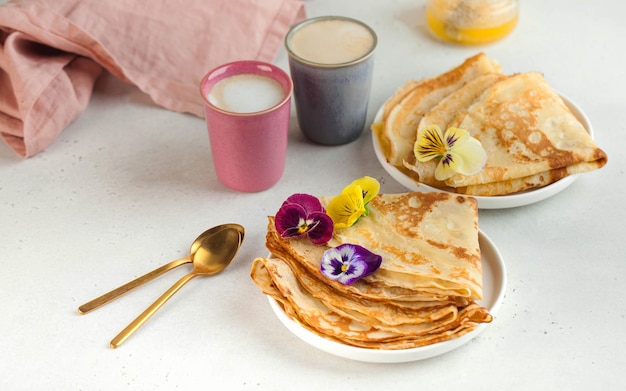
332,41
246,93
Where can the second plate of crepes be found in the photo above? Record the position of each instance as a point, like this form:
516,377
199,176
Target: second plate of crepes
489,202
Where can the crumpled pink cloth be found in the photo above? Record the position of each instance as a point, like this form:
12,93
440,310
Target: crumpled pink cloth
52,52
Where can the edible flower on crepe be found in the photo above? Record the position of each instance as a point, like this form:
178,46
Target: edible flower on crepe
348,207
303,215
348,263
457,151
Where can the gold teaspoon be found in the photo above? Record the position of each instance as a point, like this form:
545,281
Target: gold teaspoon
214,255
114,294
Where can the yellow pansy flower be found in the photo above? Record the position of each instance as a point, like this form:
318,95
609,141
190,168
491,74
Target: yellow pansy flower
348,207
457,151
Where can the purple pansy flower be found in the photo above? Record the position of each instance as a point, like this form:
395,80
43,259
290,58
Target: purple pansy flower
303,215
348,263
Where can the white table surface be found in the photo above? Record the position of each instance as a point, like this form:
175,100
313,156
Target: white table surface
128,186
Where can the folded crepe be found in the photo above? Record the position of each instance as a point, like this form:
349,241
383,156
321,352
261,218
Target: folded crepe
404,110
52,51
531,137
424,292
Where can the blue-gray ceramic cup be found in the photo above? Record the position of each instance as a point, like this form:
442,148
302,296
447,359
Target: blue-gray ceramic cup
331,61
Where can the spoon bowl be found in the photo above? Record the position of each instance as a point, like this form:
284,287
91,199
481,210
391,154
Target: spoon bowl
213,255
217,252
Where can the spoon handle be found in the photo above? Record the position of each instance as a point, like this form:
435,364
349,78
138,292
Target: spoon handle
114,294
141,319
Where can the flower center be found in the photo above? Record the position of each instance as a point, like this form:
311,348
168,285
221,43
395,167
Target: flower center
303,226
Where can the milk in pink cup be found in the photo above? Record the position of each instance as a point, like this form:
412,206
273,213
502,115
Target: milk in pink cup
247,106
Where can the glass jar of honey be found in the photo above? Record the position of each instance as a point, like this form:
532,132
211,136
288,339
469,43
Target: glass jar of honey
472,21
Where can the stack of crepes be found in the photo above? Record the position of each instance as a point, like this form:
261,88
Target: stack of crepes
424,292
531,137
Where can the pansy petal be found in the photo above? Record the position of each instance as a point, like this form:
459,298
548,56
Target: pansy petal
446,166
473,155
322,232
288,219
430,144
454,136
332,263
373,260
308,202
369,187
346,208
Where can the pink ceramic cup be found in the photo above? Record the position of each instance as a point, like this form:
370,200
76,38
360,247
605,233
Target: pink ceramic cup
248,124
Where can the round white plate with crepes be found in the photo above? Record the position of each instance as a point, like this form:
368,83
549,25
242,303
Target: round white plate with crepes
490,202
494,284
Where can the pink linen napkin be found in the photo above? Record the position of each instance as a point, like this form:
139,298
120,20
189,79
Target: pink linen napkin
52,52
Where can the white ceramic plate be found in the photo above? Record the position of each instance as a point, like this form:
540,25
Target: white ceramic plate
487,202
494,283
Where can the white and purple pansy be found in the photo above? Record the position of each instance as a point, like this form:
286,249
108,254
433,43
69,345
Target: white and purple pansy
348,263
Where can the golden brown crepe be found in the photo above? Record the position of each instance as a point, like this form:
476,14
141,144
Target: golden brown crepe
404,110
276,279
425,290
531,137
